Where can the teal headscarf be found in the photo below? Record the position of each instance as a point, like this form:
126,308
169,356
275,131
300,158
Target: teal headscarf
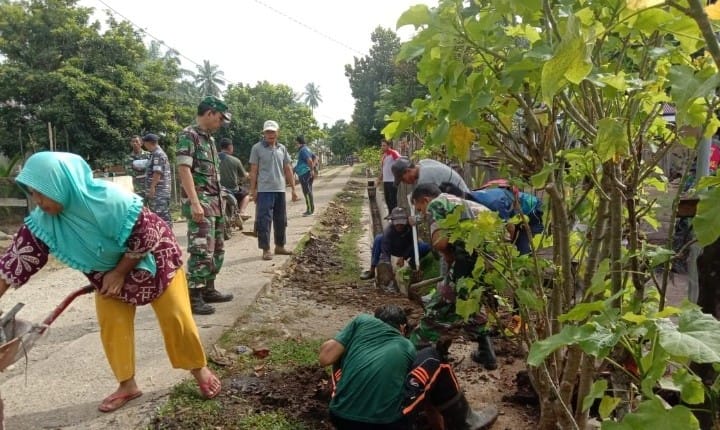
98,216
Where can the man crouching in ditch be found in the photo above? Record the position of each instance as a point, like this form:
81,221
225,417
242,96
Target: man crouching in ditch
380,382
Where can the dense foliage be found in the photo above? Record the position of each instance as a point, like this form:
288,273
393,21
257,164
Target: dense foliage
568,96
91,90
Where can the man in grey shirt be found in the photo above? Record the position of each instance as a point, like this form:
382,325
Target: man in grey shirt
426,172
269,170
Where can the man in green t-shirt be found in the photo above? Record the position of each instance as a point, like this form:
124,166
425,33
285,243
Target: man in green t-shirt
381,383
374,358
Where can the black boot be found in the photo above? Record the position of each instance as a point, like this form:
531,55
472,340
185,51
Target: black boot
485,353
197,304
211,295
460,416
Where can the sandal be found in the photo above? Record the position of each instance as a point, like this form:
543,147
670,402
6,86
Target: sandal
211,387
115,401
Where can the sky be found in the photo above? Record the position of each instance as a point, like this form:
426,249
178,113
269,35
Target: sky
290,42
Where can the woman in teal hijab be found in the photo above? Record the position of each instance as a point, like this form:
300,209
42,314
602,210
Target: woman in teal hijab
127,252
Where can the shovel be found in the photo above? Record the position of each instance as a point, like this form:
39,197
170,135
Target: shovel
23,334
416,275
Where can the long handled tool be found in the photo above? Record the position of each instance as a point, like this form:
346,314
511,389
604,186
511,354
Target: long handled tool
415,234
23,334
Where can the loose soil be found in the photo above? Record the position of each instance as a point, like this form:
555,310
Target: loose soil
305,302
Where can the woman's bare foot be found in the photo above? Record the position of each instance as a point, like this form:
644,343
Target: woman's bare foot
207,381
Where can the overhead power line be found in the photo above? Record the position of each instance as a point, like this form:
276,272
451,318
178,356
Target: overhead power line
308,27
144,30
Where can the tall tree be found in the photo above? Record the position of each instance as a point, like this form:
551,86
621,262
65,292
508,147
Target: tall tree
209,78
94,89
253,105
343,139
377,77
312,95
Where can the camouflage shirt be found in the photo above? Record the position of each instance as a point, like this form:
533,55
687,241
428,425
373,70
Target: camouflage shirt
196,149
158,162
138,175
441,206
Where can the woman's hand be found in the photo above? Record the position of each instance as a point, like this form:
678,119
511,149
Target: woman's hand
112,283
3,287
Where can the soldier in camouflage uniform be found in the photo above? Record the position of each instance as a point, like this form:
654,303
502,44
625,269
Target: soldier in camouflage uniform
157,179
441,322
137,170
198,168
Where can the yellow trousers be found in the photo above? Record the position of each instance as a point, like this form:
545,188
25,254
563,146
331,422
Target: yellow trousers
172,309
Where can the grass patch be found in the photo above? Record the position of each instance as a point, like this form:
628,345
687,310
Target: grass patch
347,248
285,354
300,247
186,397
269,421
358,171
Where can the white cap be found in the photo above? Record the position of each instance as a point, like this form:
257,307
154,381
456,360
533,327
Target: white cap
270,125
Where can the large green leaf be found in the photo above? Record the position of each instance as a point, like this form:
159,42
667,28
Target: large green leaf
596,392
530,299
707,222
651,414
612,141
697,336
582,311
608,405
569,335
691,387
417,16
687,88
569,63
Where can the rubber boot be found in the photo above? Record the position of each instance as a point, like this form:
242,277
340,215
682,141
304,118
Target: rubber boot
460,416
211,295
308,211
368,274
197,304
485,353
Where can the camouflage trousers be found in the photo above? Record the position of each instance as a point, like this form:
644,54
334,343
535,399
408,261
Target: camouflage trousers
206,248
161,206
442,323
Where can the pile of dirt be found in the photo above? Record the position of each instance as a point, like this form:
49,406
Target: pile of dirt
302,394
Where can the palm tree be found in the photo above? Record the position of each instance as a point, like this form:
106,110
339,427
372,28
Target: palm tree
209,78
312,95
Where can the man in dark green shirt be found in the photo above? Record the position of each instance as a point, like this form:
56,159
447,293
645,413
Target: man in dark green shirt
374,359
233,175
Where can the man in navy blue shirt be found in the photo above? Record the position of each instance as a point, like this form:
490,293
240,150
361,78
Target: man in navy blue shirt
397,241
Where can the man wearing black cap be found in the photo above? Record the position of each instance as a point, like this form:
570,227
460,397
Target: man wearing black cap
199,172
397,241
158,178
426,172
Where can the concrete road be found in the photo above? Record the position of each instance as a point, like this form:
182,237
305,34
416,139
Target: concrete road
65,376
